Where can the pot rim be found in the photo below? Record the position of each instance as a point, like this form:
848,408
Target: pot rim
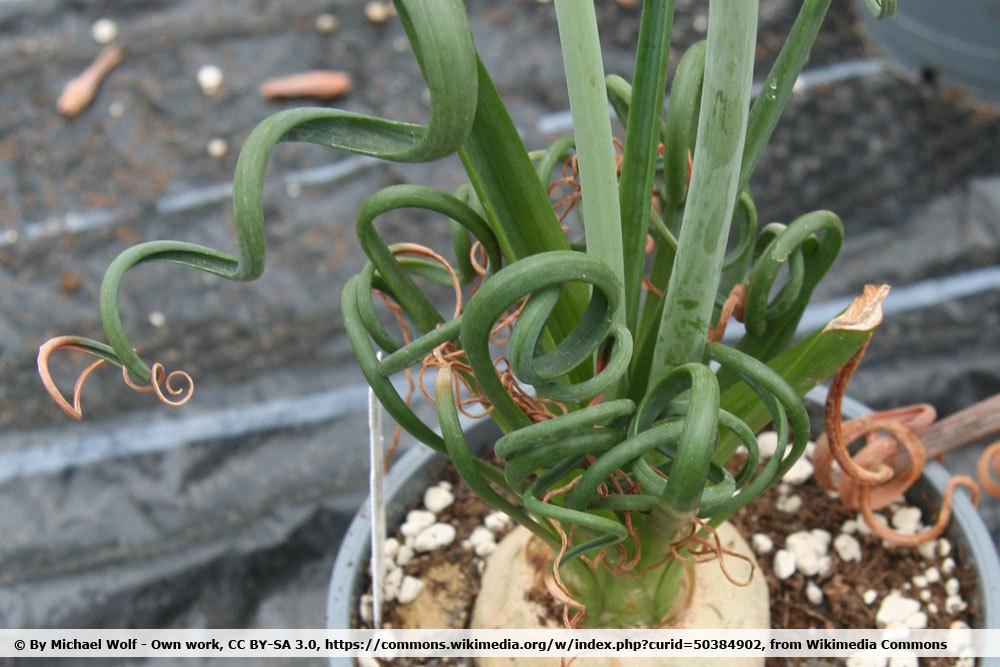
981,552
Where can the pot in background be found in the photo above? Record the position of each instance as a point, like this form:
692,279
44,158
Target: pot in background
956,41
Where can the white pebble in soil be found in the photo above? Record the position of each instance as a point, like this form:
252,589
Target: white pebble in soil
409,589
482,541
850,527
434,537
390,587
810,551
899,611
906,520
784,564
416,521
951,587
210,79
928,550
848,548
391,547
762,544
788,504
814,593
104,31
919,580
218,148
365,608
925,595
954,605
799,473
437,499
944,548
404,555
497,522
948,565
870,596
767,443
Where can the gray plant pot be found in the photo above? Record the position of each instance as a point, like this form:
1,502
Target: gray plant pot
959,40
421,467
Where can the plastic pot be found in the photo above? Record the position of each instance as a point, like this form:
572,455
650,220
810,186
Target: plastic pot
956,40
422,467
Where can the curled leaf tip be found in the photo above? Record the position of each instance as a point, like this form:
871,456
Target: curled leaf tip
864,313
74,410
881,8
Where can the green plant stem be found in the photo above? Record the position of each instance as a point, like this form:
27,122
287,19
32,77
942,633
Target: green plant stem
642,133
581,48
690,296
779,84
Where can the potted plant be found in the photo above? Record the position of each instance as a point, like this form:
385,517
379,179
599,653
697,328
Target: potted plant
629,427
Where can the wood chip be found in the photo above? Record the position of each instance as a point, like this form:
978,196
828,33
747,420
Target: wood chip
317,84
82,89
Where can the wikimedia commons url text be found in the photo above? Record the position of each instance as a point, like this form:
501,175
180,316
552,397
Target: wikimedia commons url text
393,643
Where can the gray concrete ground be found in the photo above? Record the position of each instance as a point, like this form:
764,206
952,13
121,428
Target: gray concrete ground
228,513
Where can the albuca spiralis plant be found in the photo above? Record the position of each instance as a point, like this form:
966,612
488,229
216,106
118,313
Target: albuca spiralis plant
629,426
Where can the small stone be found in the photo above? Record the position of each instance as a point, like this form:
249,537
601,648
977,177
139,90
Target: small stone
377,12
391,547
932,574
390,587
869,596
848,548
218,148
850,527
932,608
784,564
416,521
437,498
906,520
954,605
157,319
405,555
482,541
958,625
944,548
825,566
951,587
800,472
767,443
210,79
762,544
497,521
863,527
104,31
920,581
434,537
814,593
445,485
821,535
409,589
925,595
897,610
948,565
928,550
327,23
810,551
789,504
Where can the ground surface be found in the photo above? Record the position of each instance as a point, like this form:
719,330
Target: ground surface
228,513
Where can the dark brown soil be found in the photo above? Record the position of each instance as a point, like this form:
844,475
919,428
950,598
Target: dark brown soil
882,568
